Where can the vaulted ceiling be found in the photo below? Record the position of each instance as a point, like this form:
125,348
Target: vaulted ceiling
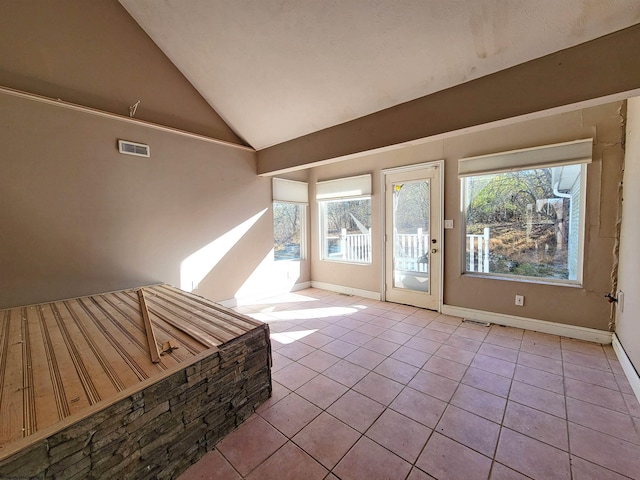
276,70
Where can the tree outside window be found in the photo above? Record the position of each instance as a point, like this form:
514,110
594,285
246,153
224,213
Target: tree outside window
525,223
288,231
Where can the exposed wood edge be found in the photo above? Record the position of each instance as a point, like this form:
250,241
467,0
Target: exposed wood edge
544,326
114,116
151,336
628,368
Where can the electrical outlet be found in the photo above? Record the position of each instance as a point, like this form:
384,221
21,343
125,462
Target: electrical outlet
520,300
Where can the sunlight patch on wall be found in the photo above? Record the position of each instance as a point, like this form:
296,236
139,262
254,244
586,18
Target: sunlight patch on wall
268,278
197,266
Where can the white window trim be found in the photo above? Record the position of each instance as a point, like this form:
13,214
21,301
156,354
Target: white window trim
303,230
294,192
322,211
555,155
348,188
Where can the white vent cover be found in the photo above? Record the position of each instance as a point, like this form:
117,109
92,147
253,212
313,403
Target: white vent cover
132,148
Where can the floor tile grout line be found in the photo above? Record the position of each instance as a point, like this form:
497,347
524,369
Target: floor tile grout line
512,379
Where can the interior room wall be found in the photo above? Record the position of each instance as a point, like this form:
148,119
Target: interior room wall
628,317
78,217
583,306
94,54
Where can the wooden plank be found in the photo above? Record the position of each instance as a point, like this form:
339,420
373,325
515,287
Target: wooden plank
4,364
122,343
119,369
46,411
164,331
29,422
99,382
98,358
151,337
247,323
72,389
129,325
11,411
218,323
181,324
209,335
123,308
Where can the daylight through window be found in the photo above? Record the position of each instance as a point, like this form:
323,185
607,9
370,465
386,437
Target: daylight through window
288,219
290,201
345,219
346,232
526,222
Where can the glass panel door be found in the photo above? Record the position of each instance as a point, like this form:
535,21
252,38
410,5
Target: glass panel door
412,236
411,214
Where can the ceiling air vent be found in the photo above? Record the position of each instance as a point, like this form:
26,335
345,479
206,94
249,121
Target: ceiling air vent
132,148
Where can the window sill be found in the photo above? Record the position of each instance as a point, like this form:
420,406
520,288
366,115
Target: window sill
345,262
539,281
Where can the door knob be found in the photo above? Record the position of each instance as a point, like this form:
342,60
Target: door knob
434,250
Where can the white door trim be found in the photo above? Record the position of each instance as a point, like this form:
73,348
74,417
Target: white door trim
383,219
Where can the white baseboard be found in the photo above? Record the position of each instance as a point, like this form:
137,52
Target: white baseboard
234,302
629,370
346,290
571,331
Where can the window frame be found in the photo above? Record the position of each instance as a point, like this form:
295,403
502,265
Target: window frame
323,224
302,210
294,193
342,189
531,162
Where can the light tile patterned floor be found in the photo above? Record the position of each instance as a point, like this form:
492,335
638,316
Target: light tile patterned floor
371,390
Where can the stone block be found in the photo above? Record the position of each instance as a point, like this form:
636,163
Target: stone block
147,416
29,462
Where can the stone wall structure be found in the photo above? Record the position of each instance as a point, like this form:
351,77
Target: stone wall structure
160,430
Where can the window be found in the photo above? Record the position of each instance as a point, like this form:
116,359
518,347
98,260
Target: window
345,218
288,238
524,212
289,219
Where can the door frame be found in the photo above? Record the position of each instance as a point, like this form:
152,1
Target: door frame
383,221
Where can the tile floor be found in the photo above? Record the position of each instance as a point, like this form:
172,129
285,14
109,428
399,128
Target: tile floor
370,390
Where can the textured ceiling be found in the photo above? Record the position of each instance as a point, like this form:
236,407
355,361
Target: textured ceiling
279,69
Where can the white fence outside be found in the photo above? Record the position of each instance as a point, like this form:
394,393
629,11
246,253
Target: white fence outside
411,250
478,248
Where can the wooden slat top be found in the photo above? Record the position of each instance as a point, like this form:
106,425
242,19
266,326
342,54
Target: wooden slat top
60,361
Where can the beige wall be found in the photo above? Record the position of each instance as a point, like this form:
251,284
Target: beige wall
628,321
577,306
77,217
93,53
